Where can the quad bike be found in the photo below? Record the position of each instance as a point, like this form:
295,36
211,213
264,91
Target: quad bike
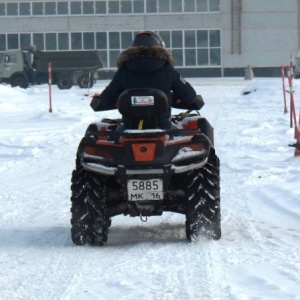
145,171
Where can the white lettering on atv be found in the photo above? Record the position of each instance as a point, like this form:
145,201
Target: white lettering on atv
142,100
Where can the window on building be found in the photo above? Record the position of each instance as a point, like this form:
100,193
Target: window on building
51,43
12,41
126,39
189,39
178,57
202,56
215,57
202,38
2,42
215,44
114,40
75,8
25,40
166,36
62,8
113,55
190,48
2,9
177,39
50,8
63,41
38,40
202,5
103,55
214,5
101,45
151,6
101,40
189,6
190,57
176,5
24,9
214,38
76,41
126,7
12,9
88,40
163,6
100,7
107,7
138,6
88,7
37,8
113,7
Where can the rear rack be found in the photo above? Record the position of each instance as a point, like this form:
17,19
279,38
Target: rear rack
143,133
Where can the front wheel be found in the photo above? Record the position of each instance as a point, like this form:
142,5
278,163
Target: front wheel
20,81
89,222
64,81
203,215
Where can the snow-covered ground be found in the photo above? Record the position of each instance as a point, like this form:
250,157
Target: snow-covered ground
258,256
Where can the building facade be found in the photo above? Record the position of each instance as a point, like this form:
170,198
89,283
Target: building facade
206,37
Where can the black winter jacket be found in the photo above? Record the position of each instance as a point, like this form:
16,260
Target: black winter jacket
151,67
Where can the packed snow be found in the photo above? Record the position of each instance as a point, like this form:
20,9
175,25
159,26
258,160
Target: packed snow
258,256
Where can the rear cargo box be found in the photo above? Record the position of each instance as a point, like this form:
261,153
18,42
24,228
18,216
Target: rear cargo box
67,60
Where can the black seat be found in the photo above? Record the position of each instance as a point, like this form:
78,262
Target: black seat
142,107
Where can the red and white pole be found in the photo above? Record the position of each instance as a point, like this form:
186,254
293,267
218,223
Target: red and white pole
290,79
292,91
293,117
283,89
297,137
50,84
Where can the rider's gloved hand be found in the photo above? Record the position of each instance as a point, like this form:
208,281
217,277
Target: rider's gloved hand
95,103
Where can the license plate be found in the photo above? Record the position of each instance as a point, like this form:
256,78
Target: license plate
140,190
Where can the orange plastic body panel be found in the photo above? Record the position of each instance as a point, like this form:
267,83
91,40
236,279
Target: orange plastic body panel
143,151
192,124
102,137
97,152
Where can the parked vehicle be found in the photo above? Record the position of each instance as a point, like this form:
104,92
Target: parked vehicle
68,67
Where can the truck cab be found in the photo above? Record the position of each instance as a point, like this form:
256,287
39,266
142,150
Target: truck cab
13,68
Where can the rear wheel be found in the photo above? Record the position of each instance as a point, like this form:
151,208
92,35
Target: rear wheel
203,215
89,222
85,81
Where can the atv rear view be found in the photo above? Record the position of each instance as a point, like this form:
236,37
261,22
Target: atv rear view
145,171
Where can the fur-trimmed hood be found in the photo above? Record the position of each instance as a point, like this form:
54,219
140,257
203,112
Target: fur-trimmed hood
144,59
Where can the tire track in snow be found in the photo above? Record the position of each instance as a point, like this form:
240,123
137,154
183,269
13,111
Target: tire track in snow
250,223
154,263
258,249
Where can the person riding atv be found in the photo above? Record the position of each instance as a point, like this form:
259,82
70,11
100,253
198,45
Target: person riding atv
149,162
147,64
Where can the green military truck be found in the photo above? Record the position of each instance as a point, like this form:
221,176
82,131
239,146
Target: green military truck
68,67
